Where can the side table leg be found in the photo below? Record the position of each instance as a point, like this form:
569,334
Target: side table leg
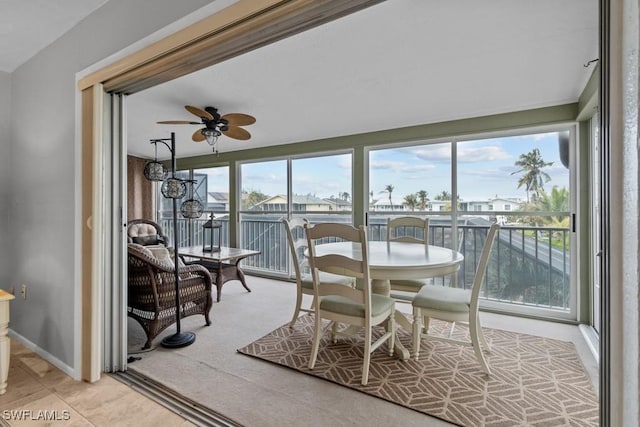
219,283
240,275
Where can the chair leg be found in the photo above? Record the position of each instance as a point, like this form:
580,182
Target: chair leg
453,327
417,331
367,355
317,334
296,312
392,329
426,321
474,326
483,340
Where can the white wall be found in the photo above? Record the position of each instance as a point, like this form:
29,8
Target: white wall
43,159
5,177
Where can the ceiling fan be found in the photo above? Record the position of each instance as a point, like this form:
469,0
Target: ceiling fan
215,124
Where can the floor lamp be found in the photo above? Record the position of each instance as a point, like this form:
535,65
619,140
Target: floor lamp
172,188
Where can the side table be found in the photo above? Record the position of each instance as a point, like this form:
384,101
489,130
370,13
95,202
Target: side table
5,297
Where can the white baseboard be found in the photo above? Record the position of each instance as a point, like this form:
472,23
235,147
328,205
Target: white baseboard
592,339
73,373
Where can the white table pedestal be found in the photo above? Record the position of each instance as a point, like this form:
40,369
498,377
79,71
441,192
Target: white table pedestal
5,297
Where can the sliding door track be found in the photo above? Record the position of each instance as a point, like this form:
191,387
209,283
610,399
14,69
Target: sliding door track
188,409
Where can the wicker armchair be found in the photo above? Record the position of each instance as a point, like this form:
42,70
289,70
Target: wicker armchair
151,291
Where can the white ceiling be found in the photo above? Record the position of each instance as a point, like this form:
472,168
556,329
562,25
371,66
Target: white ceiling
399,63
28,26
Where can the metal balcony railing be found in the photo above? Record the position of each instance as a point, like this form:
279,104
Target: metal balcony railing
529,266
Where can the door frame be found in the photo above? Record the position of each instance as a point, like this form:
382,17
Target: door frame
232,31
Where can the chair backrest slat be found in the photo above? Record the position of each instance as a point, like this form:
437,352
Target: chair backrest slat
340,264
483,263
297,243
407,222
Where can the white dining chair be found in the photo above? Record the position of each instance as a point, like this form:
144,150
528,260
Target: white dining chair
304,283
341,304
454,305
404,229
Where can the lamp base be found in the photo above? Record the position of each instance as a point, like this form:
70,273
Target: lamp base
182,339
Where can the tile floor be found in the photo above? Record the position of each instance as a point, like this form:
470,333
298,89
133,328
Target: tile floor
38,390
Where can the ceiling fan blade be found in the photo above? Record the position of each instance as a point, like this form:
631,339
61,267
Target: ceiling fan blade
237,133
199,112
239,119
198,136
178,122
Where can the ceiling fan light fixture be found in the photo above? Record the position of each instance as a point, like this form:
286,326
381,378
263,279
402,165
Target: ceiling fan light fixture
211,136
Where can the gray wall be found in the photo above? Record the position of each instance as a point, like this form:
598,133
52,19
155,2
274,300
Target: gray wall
5,176
44,167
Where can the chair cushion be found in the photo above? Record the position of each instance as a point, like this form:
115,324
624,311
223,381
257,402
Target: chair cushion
144,249
153,239
161,254
443,298
413,285
307,282
346,306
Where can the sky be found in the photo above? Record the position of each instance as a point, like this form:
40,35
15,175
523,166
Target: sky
485,170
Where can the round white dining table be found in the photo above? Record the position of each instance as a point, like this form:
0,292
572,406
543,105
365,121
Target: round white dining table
398,260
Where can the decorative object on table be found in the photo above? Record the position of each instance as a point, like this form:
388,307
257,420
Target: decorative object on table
175,188
211,229
216,125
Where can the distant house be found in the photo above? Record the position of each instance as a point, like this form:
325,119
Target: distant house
339,204
383,205
492,204
217,201
300,204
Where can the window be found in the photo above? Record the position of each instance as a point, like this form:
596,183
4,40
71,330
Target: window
318,188
211,188
526,175
529,176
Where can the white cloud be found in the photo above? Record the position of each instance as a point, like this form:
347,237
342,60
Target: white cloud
468,154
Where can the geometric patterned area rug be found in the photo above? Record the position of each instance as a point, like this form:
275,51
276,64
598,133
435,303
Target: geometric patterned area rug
534,381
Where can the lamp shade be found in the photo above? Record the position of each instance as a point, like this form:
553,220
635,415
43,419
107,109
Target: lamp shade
154,171
173,188
192,209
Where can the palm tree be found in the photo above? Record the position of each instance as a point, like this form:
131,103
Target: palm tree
423,198
444,195
556,201
410,200
534,177
389,189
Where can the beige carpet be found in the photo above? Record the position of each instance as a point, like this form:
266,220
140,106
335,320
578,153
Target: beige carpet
535,381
